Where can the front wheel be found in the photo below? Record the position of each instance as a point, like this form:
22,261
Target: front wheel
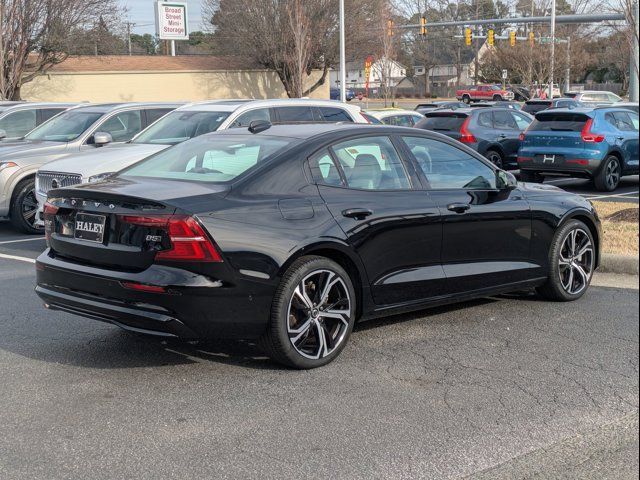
24,207
608,179
312,314
572,259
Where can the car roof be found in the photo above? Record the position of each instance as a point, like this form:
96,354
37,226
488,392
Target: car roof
33,105
308,130
388,112
111,107
231,105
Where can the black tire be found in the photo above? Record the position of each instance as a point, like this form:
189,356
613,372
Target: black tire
495,157
277,342
466,99
608,178
554,289
531,177
497,98
24,207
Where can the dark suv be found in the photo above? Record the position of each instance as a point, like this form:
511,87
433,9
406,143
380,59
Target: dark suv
494,132
534,106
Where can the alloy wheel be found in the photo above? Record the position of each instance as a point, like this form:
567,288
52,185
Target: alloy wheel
576,261
495,158
319,314
29,208
613,174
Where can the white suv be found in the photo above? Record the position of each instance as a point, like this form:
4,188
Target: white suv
182,124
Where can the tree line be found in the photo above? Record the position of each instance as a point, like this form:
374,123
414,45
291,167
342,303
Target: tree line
298,39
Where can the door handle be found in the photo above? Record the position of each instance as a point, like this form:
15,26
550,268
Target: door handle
620,138
502,135
458,207
357,213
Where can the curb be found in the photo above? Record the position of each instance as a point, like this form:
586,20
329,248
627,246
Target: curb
622,264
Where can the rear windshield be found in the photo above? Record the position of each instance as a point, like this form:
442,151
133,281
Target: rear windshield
179,126
442,122
559,122
212,158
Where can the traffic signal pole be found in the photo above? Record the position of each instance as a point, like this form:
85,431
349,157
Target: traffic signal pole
552,63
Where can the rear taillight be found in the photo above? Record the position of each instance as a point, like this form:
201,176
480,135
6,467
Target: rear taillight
465,135
189,241
521,137
49,214
525,159
588,136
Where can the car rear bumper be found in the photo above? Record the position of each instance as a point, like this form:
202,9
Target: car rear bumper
193,306
583,163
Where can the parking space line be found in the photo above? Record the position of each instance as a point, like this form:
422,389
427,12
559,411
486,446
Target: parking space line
30,239
611,196
14,257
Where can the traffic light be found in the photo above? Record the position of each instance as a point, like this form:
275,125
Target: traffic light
532,38
512,38
389,28
468,36
491,37
423,26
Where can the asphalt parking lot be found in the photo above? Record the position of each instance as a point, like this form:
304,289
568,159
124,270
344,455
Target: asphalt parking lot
507,387
626,192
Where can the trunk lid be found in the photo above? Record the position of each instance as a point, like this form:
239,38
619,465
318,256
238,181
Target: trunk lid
122,223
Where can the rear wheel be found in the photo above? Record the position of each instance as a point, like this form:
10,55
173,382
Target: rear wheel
531,177
608,178
466,99
495,157
312,315
497,98
572,259
24,207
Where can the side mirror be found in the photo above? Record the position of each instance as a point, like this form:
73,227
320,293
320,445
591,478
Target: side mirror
101,138
505,180
3,134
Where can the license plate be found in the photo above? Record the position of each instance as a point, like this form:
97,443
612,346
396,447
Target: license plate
549,159
89,227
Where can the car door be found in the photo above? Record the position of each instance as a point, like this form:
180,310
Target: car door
18,124
627,137
486,232
507,132
392,225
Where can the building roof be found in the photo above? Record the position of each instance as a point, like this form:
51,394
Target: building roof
157,63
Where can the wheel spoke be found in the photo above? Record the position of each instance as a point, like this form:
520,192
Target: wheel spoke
586,248
330,281
28,215
582,274
300,332
322,341
342,315
301,293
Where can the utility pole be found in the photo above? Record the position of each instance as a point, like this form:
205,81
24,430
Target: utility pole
553,47
343,60
129,25
567,84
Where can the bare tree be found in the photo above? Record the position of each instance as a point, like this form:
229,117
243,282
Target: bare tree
34,36
291,37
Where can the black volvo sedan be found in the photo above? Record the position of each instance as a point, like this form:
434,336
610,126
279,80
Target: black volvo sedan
289,234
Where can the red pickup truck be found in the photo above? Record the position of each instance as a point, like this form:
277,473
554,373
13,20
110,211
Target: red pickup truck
483,92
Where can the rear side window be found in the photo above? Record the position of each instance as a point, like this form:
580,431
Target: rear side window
156,113
442,122
503,119
47,113
324,170
295,114
558,122
371,163
333,114
620,120
485,119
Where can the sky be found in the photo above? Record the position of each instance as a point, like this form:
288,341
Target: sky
140,12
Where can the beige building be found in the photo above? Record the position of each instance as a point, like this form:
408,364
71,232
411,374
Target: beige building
157,78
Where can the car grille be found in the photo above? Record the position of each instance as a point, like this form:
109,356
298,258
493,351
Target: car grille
50,180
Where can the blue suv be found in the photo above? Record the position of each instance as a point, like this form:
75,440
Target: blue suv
600,144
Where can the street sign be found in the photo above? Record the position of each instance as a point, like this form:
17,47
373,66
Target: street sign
171,21
505,74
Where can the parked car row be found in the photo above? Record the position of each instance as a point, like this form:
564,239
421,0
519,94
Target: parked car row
68,143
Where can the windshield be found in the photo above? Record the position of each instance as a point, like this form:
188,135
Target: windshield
65,127
179,126
215,159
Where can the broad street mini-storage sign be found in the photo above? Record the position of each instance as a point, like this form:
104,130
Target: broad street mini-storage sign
171,21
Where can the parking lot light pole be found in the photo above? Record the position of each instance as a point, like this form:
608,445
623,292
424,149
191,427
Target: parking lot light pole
553,48
343,61
634,86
